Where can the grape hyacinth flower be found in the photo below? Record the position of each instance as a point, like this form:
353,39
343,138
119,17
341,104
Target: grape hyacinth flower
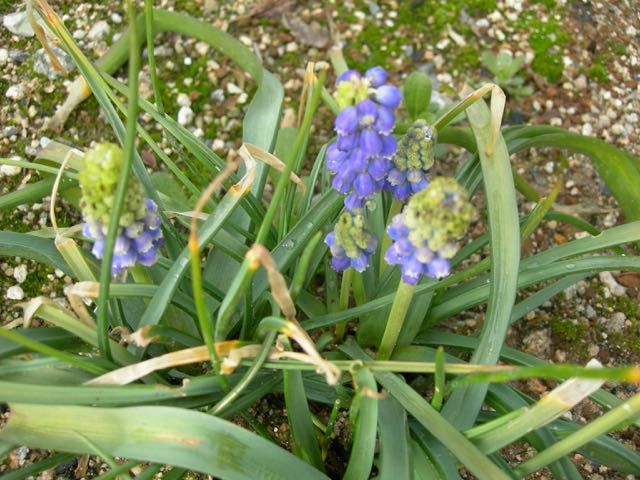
412,161
360,158
425,233
139,236
351,243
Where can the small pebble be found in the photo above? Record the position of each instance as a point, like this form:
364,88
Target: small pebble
233,89
99,31
614,287
15,92
18,24
185,116
15,293
183,100
9,170
20,273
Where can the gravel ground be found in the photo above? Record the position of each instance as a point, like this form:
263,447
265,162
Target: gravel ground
582,64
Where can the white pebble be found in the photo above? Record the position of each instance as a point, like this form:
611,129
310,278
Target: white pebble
18,24
15,92
233,89
9,170
587,129
185,115
15,293
217,145
548,167
4,56
100,30
614,287
116,18
183,100
59,273
20,273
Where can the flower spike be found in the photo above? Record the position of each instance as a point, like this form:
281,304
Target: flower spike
412,161
360,158
351,243
139,236
425,233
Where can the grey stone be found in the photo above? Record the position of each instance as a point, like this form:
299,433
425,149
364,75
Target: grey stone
42,63
18,24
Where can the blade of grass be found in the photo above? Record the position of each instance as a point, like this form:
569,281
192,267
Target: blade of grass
603,449
305,442
36,346
54,337
421,466
178,437
476,462
395,449
601,425
32,470
214,222
602,397
364,437
465,403
33,192
530,276
42,250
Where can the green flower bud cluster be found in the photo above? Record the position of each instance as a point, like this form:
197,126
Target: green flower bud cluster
98,180
351,242
412,161
416,148
438,216
351,92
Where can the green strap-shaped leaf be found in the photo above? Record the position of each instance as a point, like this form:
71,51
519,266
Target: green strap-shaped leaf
475,461
305,440
165,435
41,250
620,170
465,403
365,411
163,295
395,449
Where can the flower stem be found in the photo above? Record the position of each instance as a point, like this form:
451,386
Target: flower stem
358,289
140,274
345,288
396,207
399,310
123,178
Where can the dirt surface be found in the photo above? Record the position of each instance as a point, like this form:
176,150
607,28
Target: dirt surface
582,65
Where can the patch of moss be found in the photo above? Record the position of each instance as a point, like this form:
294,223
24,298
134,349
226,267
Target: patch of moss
547,3
570,336
429,23
547,39
599,69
